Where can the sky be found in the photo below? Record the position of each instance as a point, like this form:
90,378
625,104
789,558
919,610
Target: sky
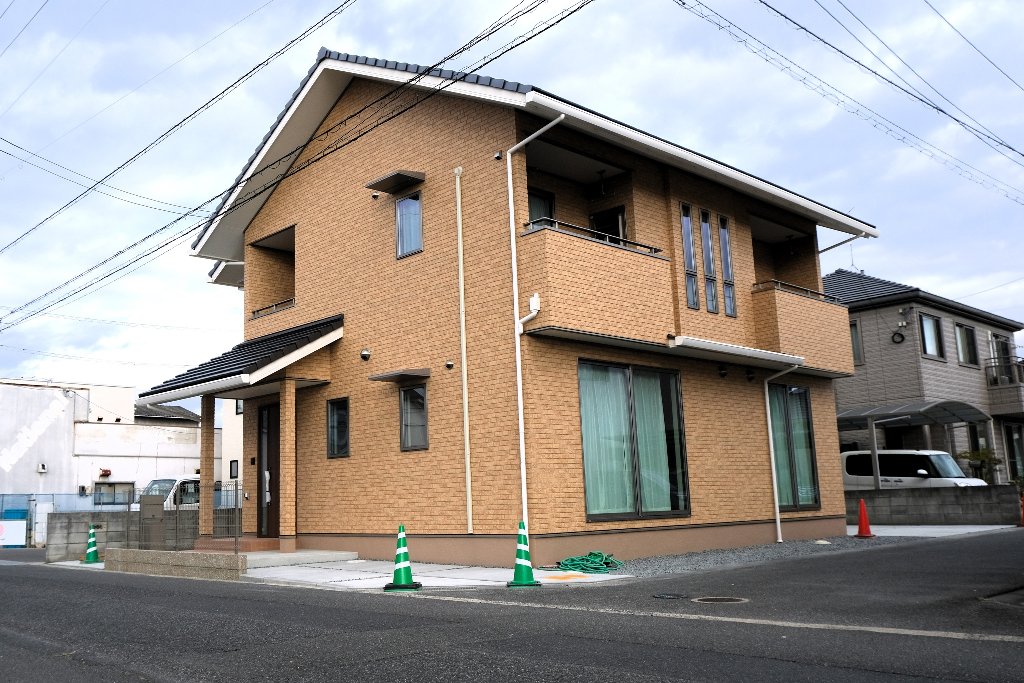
85,85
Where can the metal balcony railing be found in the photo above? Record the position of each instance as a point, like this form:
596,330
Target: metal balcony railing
1004,371
794,289
580,231
273,308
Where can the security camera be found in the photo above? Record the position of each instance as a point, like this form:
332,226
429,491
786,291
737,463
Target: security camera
365,354
375,195
497,155
449,364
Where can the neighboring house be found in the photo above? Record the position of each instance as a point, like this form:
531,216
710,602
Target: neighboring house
500,305
91,441
932,373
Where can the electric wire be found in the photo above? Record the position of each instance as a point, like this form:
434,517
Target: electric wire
131,323
91,359
27,23
53,59
848,103
178,126
6,8
853,60
537,30
976,48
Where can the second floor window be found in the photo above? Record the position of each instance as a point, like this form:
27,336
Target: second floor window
690,258
931,336
710,283
409,225
855,341
966,345
728,283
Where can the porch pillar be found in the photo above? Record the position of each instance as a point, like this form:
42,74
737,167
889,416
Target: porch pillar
286,495
206,452
926,430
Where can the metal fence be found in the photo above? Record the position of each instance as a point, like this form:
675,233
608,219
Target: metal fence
61,522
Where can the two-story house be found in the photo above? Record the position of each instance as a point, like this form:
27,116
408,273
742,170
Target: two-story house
470,301
930,373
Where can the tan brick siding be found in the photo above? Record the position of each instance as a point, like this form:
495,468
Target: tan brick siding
818,331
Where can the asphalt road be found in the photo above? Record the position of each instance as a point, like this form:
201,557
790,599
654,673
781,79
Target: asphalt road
916,611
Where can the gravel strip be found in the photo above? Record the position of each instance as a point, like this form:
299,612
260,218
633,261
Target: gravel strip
738,557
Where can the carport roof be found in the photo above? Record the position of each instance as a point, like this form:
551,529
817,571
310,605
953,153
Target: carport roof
915,413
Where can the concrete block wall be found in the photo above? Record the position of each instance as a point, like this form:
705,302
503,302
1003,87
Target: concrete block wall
952,505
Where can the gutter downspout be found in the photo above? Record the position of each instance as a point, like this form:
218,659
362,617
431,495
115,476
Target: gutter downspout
462,352
515,306
771,449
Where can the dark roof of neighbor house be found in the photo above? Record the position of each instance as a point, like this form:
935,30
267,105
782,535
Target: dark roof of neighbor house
860,292
472,78
249,356
170,412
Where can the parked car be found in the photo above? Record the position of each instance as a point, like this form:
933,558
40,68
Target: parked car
179,494
903,469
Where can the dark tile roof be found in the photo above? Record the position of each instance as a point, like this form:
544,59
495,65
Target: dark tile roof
849,286
251,355
172,412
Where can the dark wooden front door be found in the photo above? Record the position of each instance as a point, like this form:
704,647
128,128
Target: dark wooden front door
269,471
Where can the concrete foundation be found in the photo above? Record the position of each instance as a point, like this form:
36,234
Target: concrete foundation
193,565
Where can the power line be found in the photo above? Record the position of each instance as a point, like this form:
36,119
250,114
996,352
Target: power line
535,31
53,59
91,359
176,127
6,8
969,128
848,103
991,288
976,48
131,323
18,34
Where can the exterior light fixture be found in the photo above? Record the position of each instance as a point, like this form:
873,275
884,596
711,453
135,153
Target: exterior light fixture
722,370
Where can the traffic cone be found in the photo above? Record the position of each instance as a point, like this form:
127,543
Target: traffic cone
523,576
91,554
863,526
402,580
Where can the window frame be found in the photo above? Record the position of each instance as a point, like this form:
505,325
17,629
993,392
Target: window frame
239,406
941,355
399,254
728,274
232,469
856,342
99,498
638,512
402,421
333,449
972,331
707,246
546,196
689,256
797,506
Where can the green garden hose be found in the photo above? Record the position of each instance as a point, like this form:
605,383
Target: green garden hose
591,563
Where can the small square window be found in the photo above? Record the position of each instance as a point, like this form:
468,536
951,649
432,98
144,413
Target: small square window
409,222
413,409
337,428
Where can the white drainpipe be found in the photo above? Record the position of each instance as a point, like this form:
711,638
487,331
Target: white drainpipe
462,352
771,450
515,307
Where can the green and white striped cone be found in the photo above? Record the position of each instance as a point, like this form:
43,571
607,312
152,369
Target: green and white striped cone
523,576
402,580
91,554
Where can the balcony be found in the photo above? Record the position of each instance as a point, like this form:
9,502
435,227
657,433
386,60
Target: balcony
595,283
803,322
1005,379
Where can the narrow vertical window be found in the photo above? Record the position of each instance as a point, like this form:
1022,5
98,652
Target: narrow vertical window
409,225
931,336
855,342
413,409
239,406
710,283
233,469
337,428
690,259
793,441
728,281
966,345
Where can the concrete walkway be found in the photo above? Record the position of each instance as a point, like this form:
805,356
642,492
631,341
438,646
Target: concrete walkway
927,530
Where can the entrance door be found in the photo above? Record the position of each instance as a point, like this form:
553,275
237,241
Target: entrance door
269,471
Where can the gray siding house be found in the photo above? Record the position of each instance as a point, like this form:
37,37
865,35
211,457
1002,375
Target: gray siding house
930,372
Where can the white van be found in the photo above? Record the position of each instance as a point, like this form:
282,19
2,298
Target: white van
903,469
179,494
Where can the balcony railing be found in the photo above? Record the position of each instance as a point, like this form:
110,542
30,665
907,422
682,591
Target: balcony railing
794,289
273,308
1005,371
580,231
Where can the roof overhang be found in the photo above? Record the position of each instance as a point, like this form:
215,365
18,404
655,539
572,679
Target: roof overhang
230,273
913,413
222,238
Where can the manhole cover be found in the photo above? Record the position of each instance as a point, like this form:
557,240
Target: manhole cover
670,596
714,599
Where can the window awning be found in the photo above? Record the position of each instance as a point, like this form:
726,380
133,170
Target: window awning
396,181
242,372
912,413
407,375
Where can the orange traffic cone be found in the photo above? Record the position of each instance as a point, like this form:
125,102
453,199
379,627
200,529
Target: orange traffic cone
863,526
